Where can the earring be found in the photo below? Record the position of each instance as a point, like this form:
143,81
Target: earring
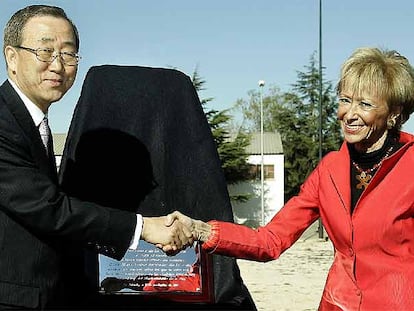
390,124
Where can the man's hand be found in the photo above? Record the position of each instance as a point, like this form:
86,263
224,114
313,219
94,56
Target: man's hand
170,238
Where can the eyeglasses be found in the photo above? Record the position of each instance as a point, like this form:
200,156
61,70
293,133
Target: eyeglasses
49,55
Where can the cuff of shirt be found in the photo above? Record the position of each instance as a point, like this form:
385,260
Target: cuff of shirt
137,235
211,244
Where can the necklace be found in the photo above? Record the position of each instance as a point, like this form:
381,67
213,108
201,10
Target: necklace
364,176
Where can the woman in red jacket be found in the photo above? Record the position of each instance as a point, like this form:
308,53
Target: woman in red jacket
364,194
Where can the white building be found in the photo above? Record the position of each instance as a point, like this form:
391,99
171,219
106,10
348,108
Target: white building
250,212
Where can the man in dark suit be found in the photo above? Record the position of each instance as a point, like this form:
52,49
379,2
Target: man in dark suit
38,221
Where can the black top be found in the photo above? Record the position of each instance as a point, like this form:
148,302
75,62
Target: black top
368,161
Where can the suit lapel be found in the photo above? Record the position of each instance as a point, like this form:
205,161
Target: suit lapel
340,176
51,158
24,119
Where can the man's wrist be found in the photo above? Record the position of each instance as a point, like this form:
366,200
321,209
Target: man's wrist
138,232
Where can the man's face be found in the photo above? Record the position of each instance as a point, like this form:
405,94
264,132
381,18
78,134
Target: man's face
43,82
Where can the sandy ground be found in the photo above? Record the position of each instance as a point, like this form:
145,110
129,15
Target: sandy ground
293,282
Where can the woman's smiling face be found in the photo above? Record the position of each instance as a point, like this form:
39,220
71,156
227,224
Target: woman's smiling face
363,119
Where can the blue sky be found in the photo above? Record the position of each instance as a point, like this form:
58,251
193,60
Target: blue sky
234,43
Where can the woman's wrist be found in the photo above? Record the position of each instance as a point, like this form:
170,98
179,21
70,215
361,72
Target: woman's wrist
210,244
202,230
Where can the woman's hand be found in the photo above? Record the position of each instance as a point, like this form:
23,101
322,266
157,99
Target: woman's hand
200,229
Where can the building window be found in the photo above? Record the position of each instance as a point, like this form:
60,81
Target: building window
269,171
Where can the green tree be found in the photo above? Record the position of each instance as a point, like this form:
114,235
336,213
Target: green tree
231,150
295,115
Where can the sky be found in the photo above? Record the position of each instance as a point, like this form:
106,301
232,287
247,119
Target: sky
233,43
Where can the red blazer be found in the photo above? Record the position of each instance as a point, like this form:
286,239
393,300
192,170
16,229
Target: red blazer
373,266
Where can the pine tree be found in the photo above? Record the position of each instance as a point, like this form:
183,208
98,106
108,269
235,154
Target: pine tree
231,150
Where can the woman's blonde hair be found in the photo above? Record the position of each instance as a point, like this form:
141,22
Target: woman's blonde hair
385,73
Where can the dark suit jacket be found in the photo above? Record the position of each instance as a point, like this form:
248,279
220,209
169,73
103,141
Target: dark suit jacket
38,221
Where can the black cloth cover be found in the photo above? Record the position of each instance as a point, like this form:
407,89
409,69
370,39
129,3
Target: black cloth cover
139,140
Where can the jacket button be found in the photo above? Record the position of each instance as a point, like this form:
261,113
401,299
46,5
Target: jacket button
351,252
358,292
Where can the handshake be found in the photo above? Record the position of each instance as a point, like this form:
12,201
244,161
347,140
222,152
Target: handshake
174,232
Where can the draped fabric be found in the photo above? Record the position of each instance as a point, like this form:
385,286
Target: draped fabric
139,140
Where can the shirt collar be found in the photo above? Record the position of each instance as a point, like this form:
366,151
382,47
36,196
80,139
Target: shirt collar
35,112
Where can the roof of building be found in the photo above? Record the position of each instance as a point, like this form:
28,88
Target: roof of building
272,143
